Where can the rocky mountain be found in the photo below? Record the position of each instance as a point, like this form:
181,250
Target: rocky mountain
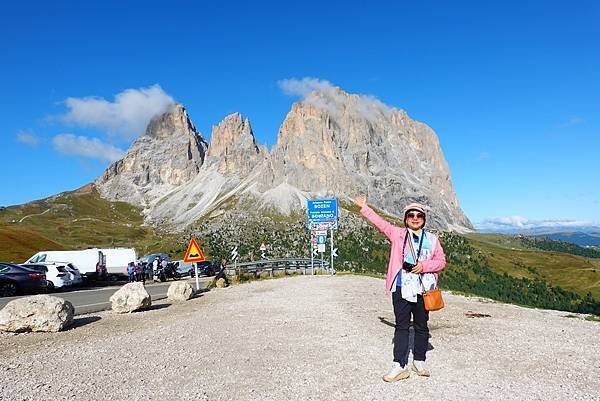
330,144
169,154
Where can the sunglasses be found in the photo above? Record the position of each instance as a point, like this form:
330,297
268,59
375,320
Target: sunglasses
415,215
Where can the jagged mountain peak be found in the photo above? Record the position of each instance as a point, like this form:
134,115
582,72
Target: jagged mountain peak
175,118
170,153
233,148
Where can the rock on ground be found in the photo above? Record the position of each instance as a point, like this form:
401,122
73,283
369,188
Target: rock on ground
36,313
180,291
130,298
304,338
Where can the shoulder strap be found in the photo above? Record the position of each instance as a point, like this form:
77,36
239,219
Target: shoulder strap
412,246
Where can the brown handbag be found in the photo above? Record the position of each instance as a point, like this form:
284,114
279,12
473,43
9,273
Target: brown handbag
432,299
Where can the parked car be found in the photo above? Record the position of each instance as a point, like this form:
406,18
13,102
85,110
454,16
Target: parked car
206,268
150,258
74,274
15,280
57,275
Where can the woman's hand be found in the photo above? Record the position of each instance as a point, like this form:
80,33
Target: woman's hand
360,201
418,268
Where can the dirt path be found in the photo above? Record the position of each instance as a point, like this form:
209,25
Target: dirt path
303,338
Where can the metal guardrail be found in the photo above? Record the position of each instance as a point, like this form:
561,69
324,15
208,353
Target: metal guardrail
270,265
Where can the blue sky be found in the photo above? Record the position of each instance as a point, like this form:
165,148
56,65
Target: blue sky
511,89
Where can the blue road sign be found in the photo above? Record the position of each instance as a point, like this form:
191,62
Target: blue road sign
321,239
322,212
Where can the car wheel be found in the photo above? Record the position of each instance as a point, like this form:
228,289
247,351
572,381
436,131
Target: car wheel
8,289
50,286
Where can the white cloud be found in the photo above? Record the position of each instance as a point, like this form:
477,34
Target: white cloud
572,122
304,86
28,138
521,223
127,116
92,148
324,95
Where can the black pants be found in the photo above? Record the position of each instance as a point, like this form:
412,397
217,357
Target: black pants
402,311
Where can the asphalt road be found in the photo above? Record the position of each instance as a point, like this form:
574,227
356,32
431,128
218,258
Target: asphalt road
94,299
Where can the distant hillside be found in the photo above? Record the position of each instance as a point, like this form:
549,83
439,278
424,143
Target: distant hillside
577,238
18,244
510,254
549,244
76,220
492,266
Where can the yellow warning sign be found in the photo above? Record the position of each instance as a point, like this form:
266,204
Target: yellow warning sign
194,253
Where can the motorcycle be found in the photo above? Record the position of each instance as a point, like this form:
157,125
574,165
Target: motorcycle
163,274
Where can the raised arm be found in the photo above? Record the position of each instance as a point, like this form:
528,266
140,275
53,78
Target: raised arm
385,227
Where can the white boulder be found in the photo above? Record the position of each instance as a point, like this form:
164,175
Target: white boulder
131,297
36,313
180,291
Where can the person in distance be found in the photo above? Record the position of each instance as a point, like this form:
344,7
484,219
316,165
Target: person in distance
405,280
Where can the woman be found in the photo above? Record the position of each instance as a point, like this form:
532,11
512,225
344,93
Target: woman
415,258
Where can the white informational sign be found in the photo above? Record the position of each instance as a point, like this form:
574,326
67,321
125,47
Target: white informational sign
321,248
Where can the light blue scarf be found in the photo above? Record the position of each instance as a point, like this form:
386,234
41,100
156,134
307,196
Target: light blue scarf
409,283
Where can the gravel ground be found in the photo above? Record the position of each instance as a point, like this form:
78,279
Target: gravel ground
303,338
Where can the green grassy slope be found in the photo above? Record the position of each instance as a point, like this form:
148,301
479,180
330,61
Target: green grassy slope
76,220
17,244
507,254
473,268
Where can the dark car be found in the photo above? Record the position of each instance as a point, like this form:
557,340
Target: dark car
15,280
207,268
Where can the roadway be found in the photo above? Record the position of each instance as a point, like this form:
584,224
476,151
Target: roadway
95,299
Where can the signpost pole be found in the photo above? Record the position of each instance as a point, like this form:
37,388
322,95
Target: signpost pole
312,255
321,270
312,249
331,265
197,280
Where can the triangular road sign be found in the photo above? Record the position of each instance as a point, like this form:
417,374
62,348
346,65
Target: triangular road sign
194,253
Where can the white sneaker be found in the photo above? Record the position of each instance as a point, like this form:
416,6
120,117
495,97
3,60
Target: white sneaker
419,367
397,372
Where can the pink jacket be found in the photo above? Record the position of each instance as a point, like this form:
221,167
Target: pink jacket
435,263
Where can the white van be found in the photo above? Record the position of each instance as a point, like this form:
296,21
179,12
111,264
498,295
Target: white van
117,260
90,262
